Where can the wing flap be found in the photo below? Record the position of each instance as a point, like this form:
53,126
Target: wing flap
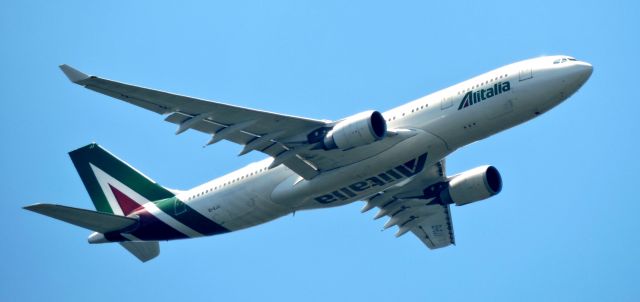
410,208
436,230
301,167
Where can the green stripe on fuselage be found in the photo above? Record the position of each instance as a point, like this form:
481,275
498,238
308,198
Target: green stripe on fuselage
189,217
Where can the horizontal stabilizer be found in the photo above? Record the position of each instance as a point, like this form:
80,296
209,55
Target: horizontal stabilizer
144,251
95,221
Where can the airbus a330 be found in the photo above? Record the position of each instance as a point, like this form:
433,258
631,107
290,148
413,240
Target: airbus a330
393,160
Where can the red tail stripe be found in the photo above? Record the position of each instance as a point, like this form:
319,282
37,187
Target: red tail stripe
127,204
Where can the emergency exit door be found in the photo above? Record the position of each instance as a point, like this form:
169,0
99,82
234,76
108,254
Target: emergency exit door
525,74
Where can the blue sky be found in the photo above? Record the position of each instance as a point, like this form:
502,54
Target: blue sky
564,228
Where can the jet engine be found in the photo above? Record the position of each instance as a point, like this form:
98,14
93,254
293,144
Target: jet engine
473,185
357,130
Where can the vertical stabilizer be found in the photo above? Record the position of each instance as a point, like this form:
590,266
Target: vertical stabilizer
113,185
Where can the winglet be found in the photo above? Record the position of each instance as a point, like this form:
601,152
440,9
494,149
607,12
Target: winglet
73,74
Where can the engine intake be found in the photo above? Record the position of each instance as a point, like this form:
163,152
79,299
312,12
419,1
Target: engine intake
473,185
357,130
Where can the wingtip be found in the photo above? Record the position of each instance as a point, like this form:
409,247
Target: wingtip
73,74
32,207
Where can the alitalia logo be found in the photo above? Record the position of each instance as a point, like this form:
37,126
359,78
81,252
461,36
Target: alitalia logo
477,96
358,188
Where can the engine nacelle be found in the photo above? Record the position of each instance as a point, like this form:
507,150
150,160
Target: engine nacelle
473,185
357,130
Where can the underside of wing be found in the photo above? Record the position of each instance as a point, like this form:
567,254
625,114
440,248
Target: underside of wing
281,136
295,142
417,207
436,230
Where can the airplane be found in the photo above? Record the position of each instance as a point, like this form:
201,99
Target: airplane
394,161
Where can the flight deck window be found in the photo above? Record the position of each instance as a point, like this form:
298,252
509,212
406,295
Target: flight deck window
562,60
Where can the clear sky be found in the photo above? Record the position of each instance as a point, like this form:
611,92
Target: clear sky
564,228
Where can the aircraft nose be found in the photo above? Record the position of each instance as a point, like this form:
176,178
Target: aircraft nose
580,71
585,69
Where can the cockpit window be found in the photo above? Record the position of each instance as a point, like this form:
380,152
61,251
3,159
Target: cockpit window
562,60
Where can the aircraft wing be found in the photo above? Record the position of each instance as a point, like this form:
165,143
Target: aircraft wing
411,207
270,133
283,137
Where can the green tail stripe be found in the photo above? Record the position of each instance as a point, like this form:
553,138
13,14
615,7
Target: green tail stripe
117,169
189,217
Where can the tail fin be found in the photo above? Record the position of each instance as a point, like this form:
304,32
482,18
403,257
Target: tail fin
116,189
113,185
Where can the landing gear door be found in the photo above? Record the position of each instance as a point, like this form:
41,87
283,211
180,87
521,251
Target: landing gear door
525,74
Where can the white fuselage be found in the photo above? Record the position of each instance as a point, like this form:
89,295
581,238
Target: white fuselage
436,125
